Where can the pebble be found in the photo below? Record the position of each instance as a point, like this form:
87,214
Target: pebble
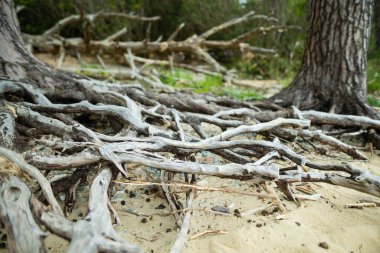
220,209
323,245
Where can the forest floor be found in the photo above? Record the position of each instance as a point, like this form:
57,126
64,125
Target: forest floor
314,226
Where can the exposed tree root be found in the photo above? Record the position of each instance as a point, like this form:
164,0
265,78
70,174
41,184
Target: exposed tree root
151,128
106,126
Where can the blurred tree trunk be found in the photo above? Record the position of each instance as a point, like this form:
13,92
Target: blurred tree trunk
377,24
332,76
17,63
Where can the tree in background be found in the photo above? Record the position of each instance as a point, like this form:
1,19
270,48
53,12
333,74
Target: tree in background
332,76
377,24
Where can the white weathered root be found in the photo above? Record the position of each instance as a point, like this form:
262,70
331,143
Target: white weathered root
152,131
95,232
23,233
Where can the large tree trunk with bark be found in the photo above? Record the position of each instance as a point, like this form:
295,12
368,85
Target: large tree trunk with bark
17,63
377,24
332,76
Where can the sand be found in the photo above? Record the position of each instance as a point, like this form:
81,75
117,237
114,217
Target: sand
301,229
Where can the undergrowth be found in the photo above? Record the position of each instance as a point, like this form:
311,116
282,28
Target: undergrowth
373,74
180,78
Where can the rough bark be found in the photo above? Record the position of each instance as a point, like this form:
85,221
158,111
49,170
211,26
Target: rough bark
332,76
377,24
17,63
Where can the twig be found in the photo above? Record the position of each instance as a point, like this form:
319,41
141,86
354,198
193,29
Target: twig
200,188
207,232
182,235
360,205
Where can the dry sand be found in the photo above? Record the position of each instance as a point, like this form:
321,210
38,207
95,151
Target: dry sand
302,229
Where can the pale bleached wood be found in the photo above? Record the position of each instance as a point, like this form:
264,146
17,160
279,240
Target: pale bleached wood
23,233
34,173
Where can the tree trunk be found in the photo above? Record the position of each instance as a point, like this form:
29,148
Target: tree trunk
17,63
377,24
332,76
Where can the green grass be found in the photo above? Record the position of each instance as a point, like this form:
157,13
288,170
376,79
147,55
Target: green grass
183,79
374,101
91,66
240,93
373,74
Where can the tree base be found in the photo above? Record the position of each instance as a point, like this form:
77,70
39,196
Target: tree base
310,99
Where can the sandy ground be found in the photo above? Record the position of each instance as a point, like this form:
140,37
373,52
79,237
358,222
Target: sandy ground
301,229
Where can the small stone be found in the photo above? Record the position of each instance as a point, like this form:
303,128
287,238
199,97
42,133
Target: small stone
160,206
323,245
298,224
144,220
220,209
118,195
122,202
237,213
259,225
147,199
132,194
168,230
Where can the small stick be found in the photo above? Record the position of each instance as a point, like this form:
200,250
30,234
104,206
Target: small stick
147,33
176,32
61,59
117,35
313,197
255,210
177,119
277,200
182,235
208,232
79,58
201,188
361,205
168,196
100,60
114,213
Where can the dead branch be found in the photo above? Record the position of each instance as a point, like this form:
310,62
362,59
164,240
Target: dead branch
23,233
194,45
91,18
